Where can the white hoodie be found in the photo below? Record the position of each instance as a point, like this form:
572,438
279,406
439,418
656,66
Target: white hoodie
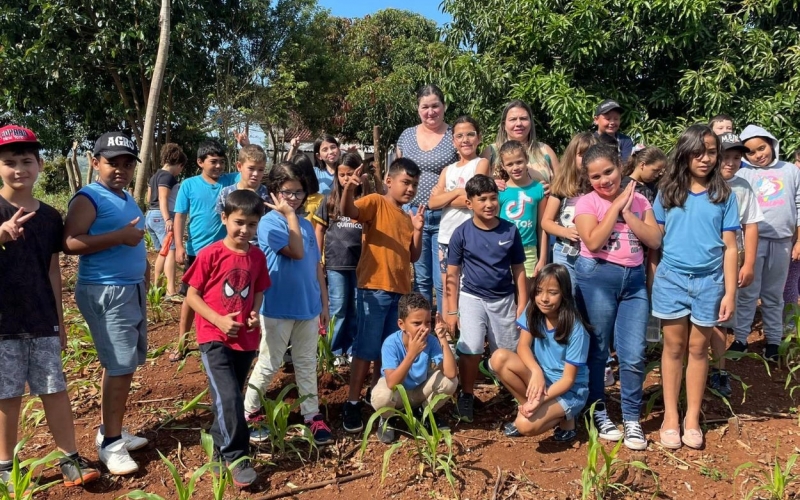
777,189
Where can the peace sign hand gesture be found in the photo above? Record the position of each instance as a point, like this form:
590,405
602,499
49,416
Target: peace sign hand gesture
12,229
279,205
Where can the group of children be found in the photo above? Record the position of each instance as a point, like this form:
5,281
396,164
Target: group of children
268,265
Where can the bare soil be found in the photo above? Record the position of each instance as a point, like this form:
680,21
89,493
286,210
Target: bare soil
489,465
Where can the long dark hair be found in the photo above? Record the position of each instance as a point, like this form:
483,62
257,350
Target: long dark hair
596,152
285,172
568,313
677,180
305,166
649,156
353,161
318,144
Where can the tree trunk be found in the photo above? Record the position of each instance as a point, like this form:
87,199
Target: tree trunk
152,103
76,167
90,170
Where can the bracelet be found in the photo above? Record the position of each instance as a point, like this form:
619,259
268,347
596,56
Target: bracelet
452,313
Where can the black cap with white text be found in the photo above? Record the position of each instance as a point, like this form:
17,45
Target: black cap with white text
113,144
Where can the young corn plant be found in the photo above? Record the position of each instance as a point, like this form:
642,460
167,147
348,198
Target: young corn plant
602,467
426,439
21,480
772,483
31,416
326,359
192,405
284,436
223,479
183,491
155,297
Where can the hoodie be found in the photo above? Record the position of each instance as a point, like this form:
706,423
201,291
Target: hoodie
777,189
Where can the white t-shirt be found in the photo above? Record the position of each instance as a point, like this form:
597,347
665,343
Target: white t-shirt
455,177
749,211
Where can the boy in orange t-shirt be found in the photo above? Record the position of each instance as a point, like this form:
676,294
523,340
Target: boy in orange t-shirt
392,241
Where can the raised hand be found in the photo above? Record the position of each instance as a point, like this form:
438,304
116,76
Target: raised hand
131,235
228,324
354,180
418,220
253,322
242,137
295,143
12,229
280,205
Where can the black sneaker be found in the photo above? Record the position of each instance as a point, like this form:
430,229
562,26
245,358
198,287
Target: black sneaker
564,436
510,430
738,346
606,428
386,430
368,397
351,417
771,353
243,474
720,382
465,407
77,471
320,431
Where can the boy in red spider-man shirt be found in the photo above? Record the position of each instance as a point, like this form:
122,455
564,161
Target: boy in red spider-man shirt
226,287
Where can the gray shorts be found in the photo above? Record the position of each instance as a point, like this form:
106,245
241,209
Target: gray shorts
117,319
35,361
492,319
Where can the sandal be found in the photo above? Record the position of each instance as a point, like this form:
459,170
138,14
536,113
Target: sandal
176,355
175,298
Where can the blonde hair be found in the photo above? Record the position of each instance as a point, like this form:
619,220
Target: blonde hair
534,148
567,182
253,153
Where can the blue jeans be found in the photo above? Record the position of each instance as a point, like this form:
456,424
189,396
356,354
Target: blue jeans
426,270
155,225
377,319
613,299
342,304
560,256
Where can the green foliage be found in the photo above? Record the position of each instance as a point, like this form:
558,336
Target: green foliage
772,483
155,299
326,360
284,436
185,408
22,474
668,63
221,481
603,467
426,442
53,178
183,491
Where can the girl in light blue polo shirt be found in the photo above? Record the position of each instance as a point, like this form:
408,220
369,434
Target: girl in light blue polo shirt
694,286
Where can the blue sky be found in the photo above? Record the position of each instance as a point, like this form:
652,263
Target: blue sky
358,8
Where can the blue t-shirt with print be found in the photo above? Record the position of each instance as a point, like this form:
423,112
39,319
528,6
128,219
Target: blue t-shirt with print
121,264
486,257
295,292
198,199
393,352
520,205
701,222
551,355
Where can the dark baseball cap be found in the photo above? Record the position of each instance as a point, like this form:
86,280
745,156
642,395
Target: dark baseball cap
14,134
606,106
113,144
729,141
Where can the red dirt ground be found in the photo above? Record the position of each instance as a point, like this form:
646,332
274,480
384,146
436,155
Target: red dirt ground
530,468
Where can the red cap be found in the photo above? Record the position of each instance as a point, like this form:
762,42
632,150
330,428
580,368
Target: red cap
12,134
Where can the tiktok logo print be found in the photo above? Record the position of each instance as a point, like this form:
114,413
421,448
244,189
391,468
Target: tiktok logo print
235,290
515,210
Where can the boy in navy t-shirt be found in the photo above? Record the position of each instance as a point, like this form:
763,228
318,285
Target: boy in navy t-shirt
197,202
422,363
486,255
32,328
105,226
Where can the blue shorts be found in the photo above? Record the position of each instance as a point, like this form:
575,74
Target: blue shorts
155,225
117,319
377,319
572,401
677,294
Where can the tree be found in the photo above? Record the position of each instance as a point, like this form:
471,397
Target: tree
668,63
152,102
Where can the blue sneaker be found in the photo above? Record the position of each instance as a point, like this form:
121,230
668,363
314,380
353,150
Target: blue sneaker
320,431
259,432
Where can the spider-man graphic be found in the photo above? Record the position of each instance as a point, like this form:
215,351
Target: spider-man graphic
235,290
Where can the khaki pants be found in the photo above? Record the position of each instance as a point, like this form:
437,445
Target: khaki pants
436,384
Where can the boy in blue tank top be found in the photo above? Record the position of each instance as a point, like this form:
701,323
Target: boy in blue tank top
105,226
197,203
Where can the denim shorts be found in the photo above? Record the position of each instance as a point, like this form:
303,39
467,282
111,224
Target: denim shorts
377,319
572,401
36,361
677,294
117,319
156,227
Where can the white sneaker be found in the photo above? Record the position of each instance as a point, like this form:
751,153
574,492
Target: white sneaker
132,443
117,459
634,435
606,429
609,377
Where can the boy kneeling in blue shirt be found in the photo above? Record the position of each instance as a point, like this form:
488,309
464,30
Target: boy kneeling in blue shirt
422,363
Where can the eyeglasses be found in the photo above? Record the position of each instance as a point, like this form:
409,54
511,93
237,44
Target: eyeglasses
468,135
292,194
